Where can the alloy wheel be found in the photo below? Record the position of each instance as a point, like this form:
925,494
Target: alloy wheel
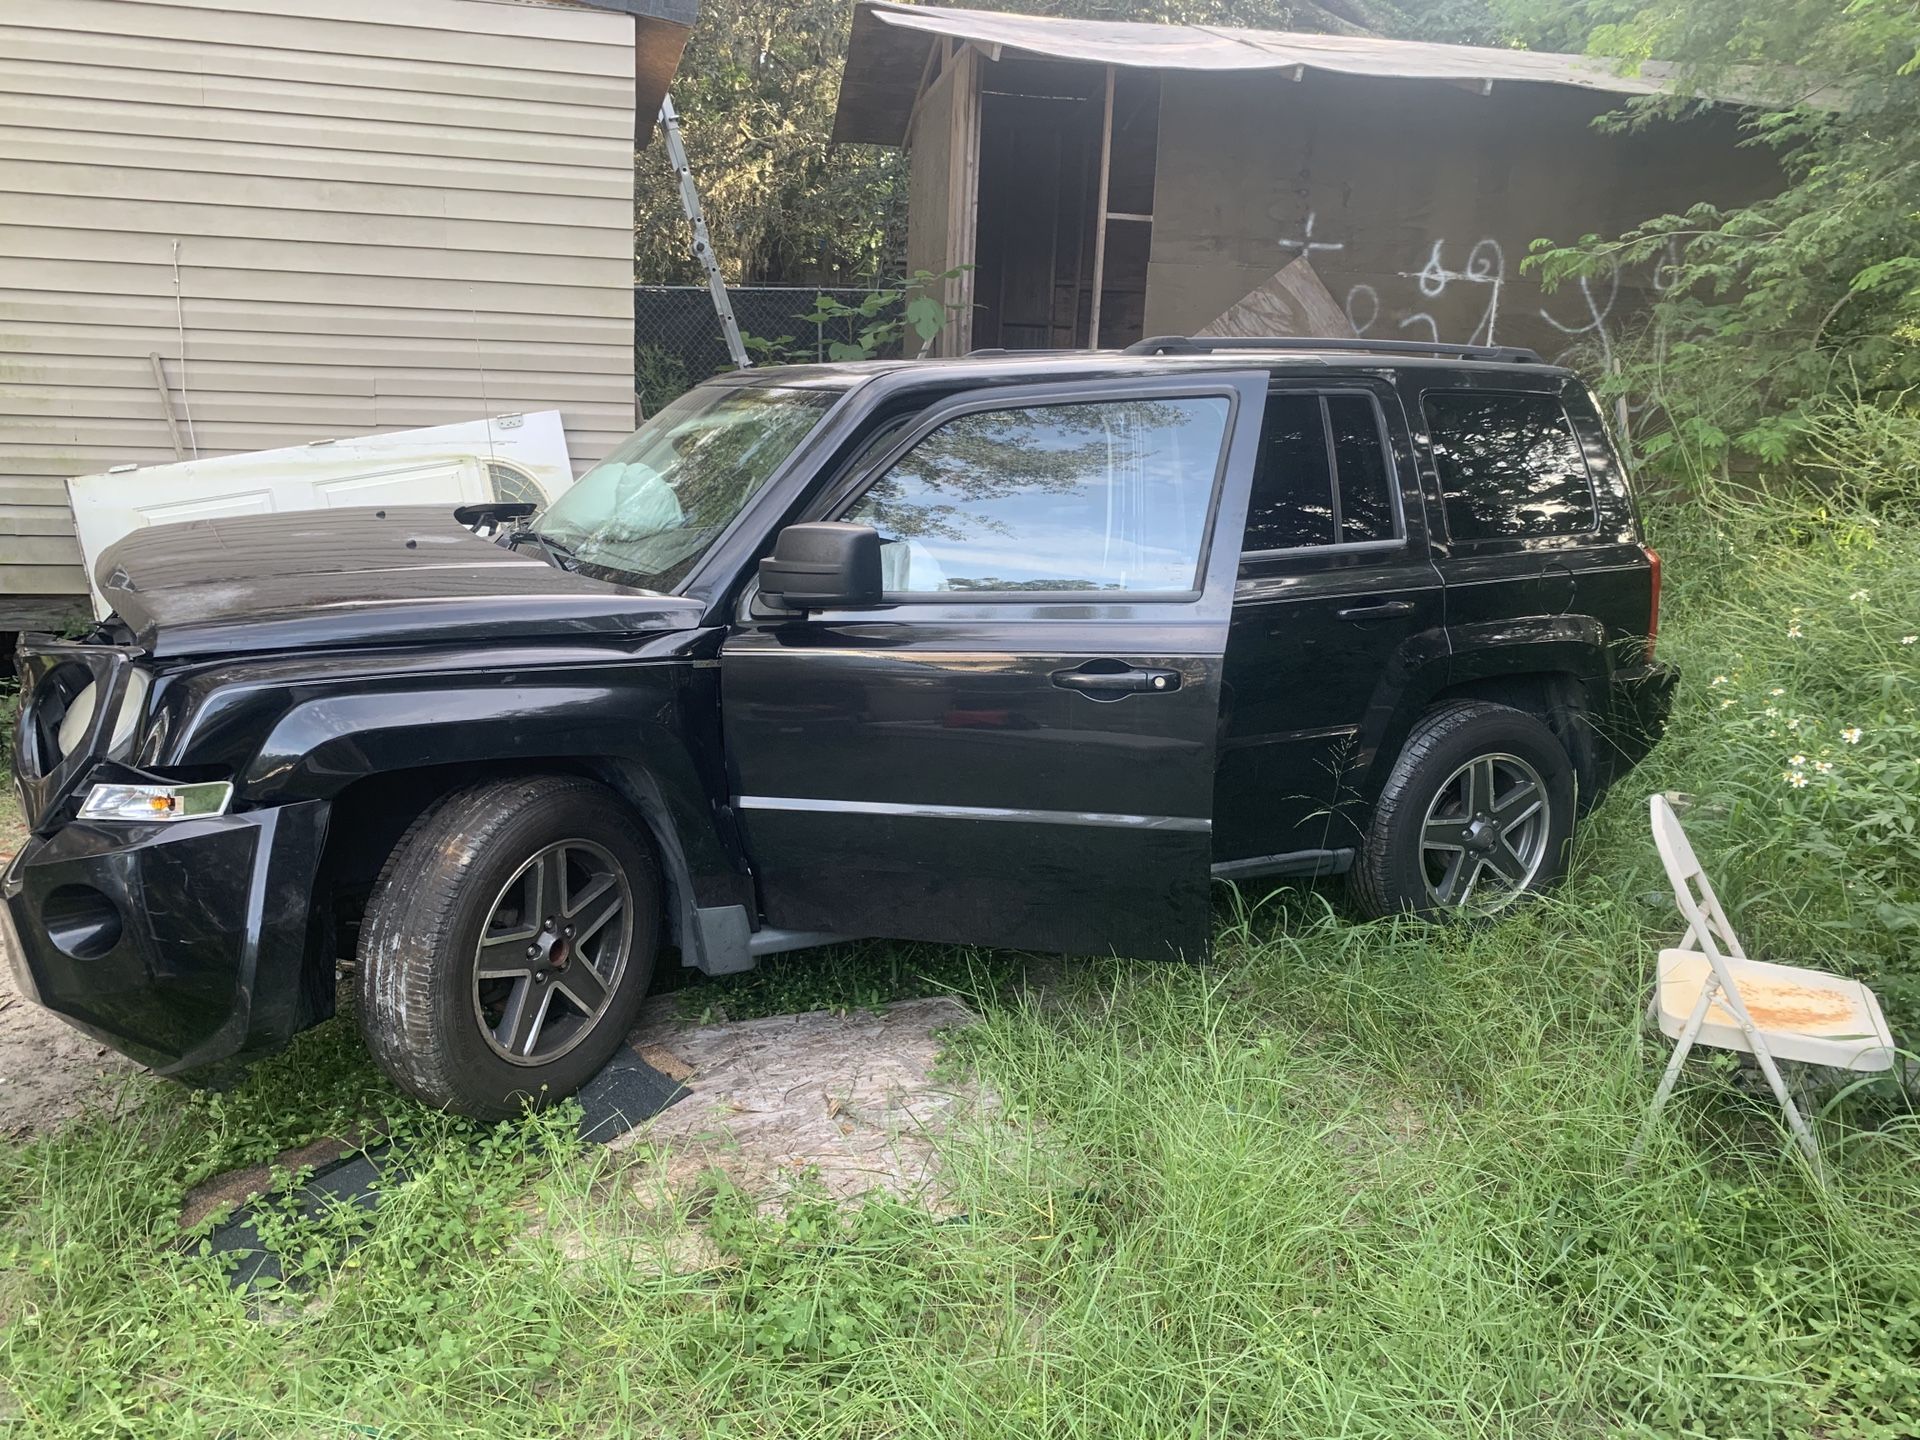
551,957
1484,838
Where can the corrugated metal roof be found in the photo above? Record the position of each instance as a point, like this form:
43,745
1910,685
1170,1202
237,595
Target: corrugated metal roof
889,43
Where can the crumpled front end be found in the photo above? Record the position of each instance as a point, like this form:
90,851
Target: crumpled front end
179,942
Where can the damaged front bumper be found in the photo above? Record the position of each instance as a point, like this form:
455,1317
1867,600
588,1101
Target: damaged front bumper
180,943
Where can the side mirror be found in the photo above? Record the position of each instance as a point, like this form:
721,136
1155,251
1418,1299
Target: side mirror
822,566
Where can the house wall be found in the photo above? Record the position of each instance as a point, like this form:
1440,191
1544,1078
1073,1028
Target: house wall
351,216
1416,201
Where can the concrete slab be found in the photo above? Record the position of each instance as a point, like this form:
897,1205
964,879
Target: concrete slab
855,1098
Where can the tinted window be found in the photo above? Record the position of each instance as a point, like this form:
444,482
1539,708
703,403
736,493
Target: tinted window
1294,488
1509,465
1111,495
1292,502
1366,505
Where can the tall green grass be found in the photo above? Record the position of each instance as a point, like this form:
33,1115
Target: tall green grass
1344,1180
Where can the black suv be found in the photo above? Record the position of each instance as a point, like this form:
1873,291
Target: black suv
1014,650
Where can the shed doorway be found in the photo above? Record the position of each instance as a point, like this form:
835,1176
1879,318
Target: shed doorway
1040,265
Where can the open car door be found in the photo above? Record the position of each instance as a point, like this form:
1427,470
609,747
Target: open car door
1017,747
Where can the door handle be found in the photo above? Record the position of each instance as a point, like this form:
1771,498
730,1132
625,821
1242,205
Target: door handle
1386,610
1106,684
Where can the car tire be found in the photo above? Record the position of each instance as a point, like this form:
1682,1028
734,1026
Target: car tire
508,944
1455,832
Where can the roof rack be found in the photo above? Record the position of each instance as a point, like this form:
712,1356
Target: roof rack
1208,344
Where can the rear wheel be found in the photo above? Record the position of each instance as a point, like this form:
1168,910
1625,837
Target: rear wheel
508,944
1476,814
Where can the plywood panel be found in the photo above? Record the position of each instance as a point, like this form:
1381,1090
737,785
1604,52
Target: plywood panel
1417,201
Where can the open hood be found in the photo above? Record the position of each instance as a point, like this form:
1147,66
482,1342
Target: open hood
330,578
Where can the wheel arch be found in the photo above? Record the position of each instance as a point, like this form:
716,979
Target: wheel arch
1549,667
371,813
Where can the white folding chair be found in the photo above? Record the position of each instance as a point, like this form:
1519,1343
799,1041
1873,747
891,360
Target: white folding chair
1708,992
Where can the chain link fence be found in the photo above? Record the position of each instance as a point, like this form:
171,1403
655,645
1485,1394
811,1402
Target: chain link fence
677,341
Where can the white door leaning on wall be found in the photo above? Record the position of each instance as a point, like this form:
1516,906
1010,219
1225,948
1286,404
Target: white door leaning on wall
510,457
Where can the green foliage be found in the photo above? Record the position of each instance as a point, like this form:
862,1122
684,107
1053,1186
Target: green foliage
1772,310
659,377
755,91
879,323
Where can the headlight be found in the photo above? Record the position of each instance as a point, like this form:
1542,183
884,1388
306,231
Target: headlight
79,716
157,802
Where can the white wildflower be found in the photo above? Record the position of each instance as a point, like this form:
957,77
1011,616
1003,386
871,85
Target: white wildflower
1718,680
1793,631
1852,734
1794,778
1823,766
1857,595
1797,760
1909,639
1776,692
1773,712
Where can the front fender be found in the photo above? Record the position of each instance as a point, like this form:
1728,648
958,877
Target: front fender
644,718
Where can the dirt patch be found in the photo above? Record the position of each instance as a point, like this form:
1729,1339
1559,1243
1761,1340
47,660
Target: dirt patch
49,1071
228,1192
852,1098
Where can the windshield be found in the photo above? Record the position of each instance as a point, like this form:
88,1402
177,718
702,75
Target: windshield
651,507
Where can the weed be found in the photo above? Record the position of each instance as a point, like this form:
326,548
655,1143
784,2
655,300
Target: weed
1352,1179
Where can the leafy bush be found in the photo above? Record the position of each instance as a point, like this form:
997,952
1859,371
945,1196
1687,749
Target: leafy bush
659,378
1771,309
880,323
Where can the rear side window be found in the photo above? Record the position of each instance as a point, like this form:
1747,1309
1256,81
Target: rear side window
1510,465
1322,477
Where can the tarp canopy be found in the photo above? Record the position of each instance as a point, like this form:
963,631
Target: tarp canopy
890,41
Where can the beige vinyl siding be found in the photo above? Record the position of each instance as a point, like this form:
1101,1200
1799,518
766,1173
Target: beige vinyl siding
387,214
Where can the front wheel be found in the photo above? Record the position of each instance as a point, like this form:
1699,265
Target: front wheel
1476,814
508,944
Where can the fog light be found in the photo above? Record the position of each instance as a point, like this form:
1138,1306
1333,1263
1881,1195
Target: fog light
156,802
81,922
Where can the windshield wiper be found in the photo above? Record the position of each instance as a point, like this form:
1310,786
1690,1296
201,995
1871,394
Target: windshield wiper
558,551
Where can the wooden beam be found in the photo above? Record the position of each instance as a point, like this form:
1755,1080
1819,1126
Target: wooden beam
166,404
919,94
1100,217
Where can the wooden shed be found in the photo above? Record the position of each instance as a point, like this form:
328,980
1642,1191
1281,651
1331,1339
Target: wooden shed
267,222
1106,181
